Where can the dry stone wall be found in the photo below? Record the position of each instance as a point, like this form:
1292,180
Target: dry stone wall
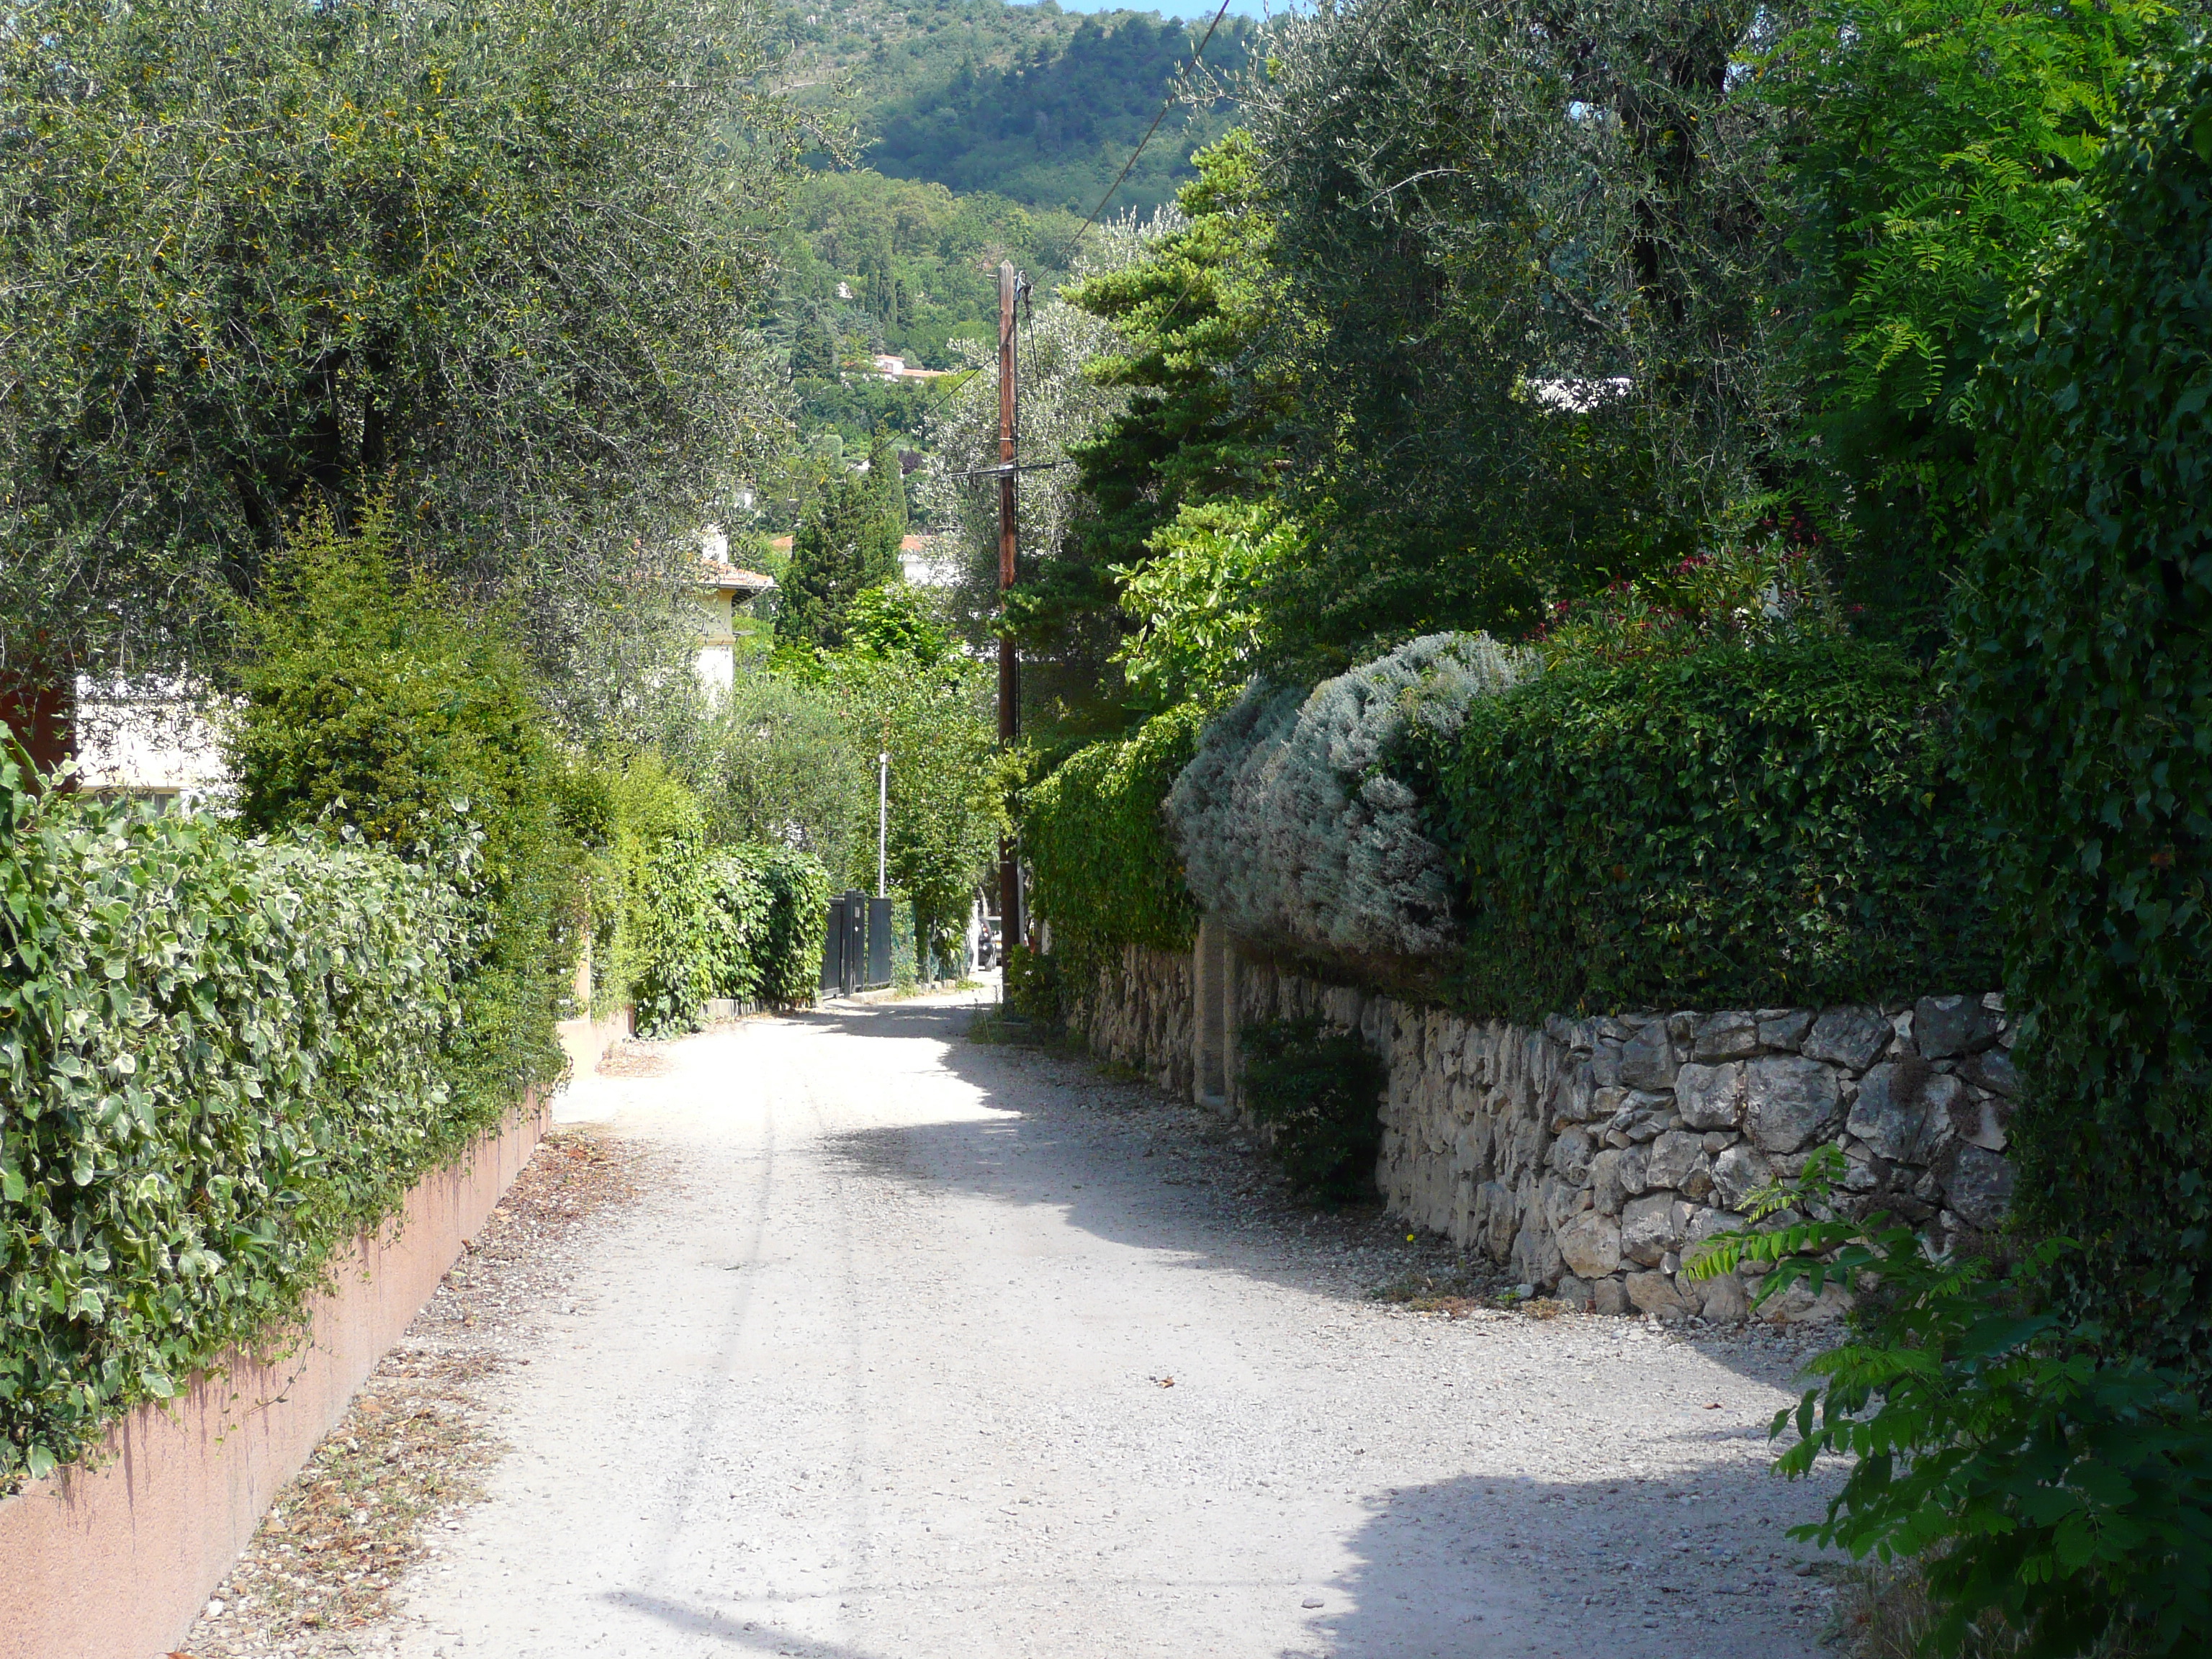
1589,1154
1140,1014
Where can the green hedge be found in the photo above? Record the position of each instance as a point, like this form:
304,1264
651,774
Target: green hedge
372,702
677,922
784,946
1105,871
1775,825
2084,660
218,1059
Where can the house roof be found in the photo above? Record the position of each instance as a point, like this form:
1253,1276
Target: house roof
730,579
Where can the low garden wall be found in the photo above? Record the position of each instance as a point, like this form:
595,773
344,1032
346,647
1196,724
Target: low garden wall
112,1559
1586,1155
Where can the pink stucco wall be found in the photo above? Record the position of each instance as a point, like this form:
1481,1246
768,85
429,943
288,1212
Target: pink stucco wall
114,1562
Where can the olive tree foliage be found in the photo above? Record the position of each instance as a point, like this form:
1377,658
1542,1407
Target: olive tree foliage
1540,297
500,254
776,767
1293,830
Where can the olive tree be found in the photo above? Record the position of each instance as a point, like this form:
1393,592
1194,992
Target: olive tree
499,257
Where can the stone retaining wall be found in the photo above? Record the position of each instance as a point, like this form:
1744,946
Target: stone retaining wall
1141,1014
1587,1156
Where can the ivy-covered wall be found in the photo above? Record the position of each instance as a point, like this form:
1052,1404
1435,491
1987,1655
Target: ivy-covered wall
219,1058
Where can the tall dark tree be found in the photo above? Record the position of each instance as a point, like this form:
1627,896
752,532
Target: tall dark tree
1544,293
1195,315
848,541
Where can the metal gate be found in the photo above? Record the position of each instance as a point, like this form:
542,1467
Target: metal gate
856,944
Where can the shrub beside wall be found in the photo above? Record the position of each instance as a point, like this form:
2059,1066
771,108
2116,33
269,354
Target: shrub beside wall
1297,835
1104,874
219,1059
373,703
1782,826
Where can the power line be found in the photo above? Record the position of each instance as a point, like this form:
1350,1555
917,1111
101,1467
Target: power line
1198,58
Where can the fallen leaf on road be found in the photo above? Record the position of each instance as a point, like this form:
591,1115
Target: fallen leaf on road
1712,1405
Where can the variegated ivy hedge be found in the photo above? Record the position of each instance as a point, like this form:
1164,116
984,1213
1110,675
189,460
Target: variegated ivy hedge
219,1058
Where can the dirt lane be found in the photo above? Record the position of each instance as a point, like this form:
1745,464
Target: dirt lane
917,1347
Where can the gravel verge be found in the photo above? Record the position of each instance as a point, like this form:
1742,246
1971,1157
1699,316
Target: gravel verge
379,1491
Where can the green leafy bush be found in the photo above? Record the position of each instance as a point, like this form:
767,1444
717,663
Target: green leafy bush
1319,1095
2084,664
1105,871
1036,986
2064,1496
1734,828
787,948
220,1058
379,704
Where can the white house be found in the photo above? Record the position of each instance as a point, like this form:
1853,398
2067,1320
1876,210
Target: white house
725,593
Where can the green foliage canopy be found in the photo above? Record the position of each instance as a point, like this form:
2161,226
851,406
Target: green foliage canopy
1539,294
504,254
1938,149
2084,663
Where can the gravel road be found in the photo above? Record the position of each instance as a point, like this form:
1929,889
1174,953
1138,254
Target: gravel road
919,1347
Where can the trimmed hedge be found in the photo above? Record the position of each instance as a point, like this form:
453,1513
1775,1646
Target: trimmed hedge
1104,874
219,1059
373,702
2084,662
1782,825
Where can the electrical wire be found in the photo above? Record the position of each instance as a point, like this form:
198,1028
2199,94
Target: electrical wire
1198,58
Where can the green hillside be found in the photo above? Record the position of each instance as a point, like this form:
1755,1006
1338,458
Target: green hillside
1027,102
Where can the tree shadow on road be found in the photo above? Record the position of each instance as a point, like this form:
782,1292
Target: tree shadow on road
1135,1166
1683,1568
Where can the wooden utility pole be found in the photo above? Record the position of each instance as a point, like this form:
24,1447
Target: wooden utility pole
1010,689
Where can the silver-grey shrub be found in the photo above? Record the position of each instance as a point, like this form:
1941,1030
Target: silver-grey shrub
1292,832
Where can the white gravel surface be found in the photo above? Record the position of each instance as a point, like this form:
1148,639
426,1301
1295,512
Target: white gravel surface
918,1347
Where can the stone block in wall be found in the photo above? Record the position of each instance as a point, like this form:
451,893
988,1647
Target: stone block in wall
1727,1036
1787,1101
1740,1171
1850,1037
1655,1293
1977,1186
1589,1244
1710,1097
1652,1225
1902,1107
1678,1160
1650,1059
1945,1028
1783,1030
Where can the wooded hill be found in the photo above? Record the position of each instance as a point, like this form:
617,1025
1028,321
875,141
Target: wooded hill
1028,102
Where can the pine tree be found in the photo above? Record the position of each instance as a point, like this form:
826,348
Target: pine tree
848,543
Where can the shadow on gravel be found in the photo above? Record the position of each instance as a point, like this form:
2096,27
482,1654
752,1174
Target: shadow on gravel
1161,1175
1678,1569
739,1635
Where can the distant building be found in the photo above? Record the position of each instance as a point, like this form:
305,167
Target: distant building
895,368
725,593
149,743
